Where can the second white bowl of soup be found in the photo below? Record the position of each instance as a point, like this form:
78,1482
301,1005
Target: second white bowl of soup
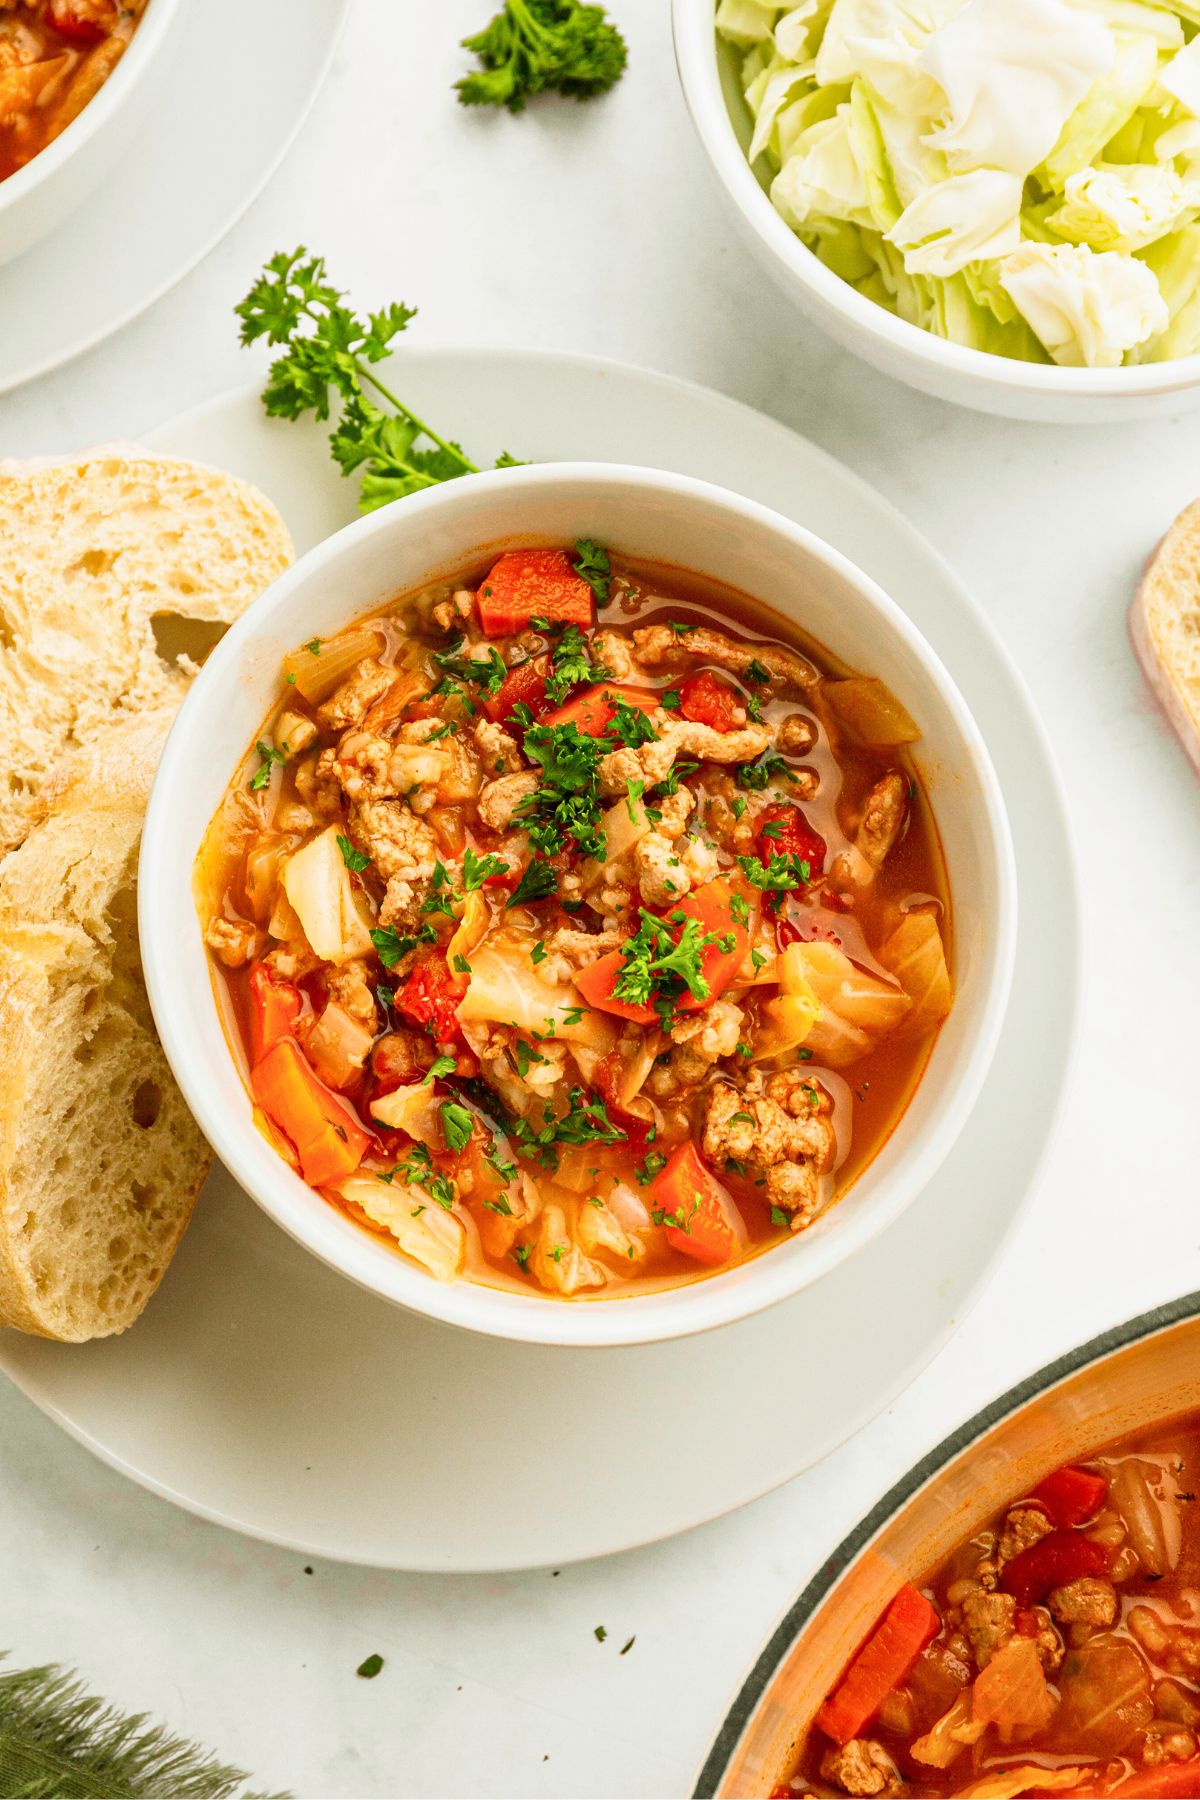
578,905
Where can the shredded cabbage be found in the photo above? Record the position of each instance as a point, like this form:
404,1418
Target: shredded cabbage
1020,176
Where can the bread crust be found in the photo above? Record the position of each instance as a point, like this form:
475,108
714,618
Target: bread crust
1168,594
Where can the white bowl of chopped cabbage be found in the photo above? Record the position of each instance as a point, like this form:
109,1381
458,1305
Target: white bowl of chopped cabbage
997,201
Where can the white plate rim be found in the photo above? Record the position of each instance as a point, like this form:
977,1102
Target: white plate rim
240,205
855,1419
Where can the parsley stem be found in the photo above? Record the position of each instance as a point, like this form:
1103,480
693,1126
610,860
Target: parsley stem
464,462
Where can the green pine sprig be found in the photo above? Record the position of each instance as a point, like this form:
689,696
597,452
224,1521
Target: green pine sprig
330,357
58,1742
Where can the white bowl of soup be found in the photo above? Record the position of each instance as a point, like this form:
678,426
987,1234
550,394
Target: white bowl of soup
578,905
1017,1615
77,79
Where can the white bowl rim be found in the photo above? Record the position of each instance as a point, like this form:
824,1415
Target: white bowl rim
151,31
923,1473
662,1315
696,59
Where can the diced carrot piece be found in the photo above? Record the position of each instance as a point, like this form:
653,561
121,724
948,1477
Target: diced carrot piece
533,584
523,686
707,700
1170,1781
274,1011
1072,1496
688,1193
327,1137
597,981
594,710
909,1623
714,908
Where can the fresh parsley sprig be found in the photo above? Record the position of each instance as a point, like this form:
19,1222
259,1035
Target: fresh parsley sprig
532,45
330,354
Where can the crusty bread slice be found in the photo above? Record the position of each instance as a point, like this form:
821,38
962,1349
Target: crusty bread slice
1165,626
117,574
100,1161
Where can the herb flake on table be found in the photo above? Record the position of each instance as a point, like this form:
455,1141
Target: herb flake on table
370,1668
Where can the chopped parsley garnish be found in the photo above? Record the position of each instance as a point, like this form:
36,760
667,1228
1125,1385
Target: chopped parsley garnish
677,628
758,958
525,1057
521,1255
631,726
441,893
391,945
507,1171
779,876
355,860
538,953
538,882
571,665
756,673
262,775
739,805
779,1217
490,671
769,769
500,1206
754,708
670,699
646,1171
313,646
457,1125
478,869
441,1066
633,793
461,965
739,909
585,1121
772,829
593,564
676,1221
386,997
658,966
370,1668
567,803
600,1634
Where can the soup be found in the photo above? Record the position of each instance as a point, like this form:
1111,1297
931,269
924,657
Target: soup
579,931
1057,1651
54,56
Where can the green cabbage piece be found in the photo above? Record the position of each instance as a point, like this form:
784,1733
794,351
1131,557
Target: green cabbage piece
843,157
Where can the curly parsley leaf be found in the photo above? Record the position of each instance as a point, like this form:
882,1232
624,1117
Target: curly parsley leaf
355,860
532,45
328,356
779,876
537,882
571,665
269,757
478,869
593,564
766,772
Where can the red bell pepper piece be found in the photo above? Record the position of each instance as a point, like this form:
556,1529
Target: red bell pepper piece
524,686
909,1623
783,830
83,22
1054,1560
707,700
274,1011
695,1208
594,710
533,584
327,1137
1072,1496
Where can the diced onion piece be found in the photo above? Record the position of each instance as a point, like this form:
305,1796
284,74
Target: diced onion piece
472,925
263,862
424,1230
870,712
338,1046
335,914
916,956
321,670
505,988
787,1023
412,1109
624,825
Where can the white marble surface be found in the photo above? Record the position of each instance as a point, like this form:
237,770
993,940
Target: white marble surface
597,229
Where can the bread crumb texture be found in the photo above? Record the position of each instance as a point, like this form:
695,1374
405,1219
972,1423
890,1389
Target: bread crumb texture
117,576
1165,626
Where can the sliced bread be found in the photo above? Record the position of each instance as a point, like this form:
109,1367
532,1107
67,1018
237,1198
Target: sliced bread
1165,626
117,575
100,1161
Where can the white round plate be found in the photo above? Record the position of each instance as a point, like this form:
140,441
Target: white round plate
236,88
264,1392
